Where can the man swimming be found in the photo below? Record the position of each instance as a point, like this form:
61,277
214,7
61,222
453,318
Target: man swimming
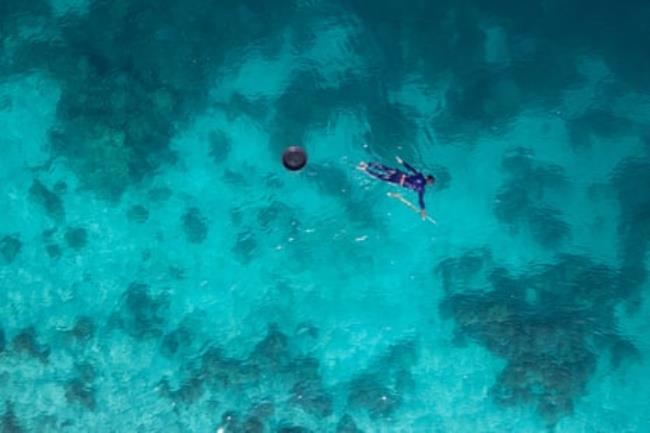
415,180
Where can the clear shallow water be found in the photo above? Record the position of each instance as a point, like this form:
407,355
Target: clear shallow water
160,271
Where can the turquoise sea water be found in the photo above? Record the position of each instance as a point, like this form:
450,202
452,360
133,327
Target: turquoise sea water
160,271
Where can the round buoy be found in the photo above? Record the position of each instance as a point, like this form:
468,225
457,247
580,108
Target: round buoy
294,158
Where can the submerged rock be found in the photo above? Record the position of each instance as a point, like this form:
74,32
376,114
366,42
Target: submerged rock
138,213
230,421
367,392
143,314
50,202
194,225
78,391
25,342
253,425
219,146
189,391
175,341
84,328
76,237
547,226
159,194
274,348
10,246
347,425
312,398
520,199
294,429
9,422
541,324
53,251
245,246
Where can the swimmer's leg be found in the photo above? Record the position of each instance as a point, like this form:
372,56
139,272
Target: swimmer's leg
385,173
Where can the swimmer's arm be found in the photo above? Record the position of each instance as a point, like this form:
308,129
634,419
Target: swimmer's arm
423,211
406,164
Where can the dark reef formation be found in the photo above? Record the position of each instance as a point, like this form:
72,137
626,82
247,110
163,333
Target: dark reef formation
25,342
489,92
254,422
142,314
295,378
10,246
165,59
131,74
634,225
293,429
389,122
347,425
138,214
598,123
9,422
159,58
195,225
176,341
549,324
51,203
245,245
520,200
381,388
220,146
76,237
80,389
459,272
83,329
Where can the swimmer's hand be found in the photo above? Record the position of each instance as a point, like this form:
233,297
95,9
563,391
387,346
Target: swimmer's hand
423,214
399,160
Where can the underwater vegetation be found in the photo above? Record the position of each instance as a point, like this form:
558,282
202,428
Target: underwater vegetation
549,324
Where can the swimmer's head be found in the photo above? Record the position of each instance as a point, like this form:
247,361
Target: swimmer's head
431,180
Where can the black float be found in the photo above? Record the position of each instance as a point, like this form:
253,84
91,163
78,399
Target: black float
294,158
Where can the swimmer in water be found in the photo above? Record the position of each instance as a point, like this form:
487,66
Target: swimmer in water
413,180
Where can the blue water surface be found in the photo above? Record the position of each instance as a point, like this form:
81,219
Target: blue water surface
160,271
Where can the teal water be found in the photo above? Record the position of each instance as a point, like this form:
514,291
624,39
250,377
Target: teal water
160,271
